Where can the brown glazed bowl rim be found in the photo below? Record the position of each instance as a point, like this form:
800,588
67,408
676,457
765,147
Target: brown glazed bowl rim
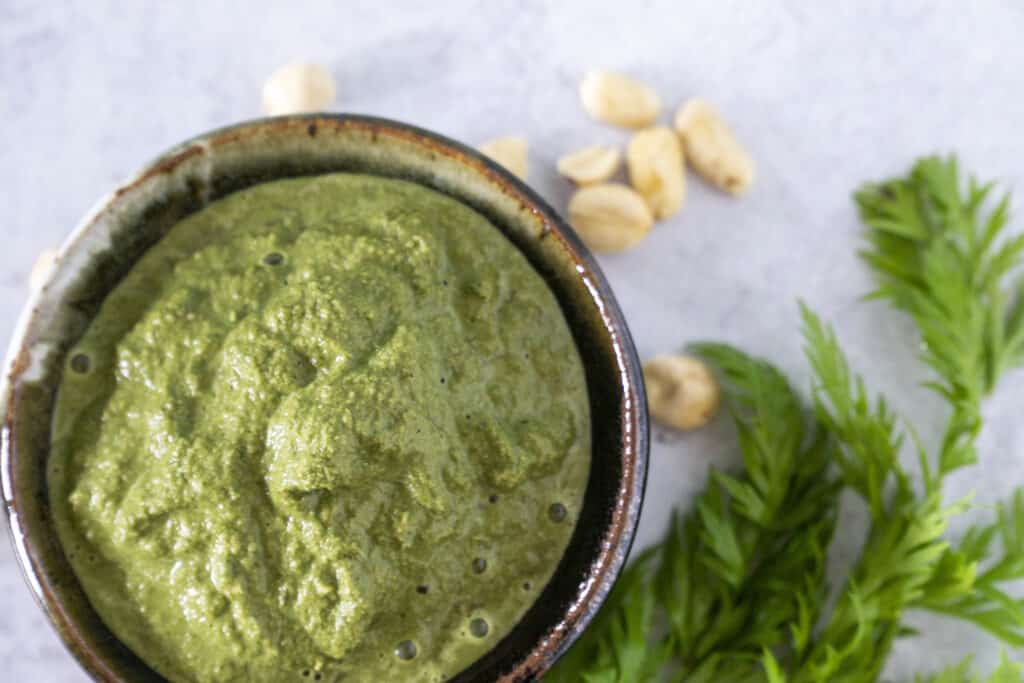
539,639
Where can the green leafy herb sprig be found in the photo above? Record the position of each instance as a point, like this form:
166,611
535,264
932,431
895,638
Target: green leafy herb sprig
737,589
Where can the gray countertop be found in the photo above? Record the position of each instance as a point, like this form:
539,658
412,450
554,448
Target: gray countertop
825,95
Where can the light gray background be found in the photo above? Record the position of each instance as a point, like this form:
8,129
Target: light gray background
825,94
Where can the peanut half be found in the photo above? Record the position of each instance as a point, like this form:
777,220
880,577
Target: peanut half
655,161
590,165
42,268
510,152
298,88
610,217
619,100
712,149
681,391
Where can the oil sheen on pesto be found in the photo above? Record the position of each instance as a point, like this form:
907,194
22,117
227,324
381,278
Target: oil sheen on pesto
323,430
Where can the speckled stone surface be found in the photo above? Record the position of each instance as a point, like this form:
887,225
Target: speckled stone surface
824,94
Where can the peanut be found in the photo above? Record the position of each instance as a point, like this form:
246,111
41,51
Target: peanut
681,391
610,217
42,268
655,161
590,165
619,100
712,149
510,152
298,88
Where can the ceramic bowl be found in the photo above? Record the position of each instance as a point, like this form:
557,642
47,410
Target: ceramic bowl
127,222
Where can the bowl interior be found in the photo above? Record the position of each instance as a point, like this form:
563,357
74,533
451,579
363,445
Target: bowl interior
186,178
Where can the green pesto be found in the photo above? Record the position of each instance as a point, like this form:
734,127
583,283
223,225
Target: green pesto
321,417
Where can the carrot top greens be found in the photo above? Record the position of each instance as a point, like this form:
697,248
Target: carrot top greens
737,591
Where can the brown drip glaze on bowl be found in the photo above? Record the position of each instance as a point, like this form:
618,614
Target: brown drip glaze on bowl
213,165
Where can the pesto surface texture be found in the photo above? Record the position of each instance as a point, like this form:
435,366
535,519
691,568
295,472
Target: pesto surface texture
329,428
